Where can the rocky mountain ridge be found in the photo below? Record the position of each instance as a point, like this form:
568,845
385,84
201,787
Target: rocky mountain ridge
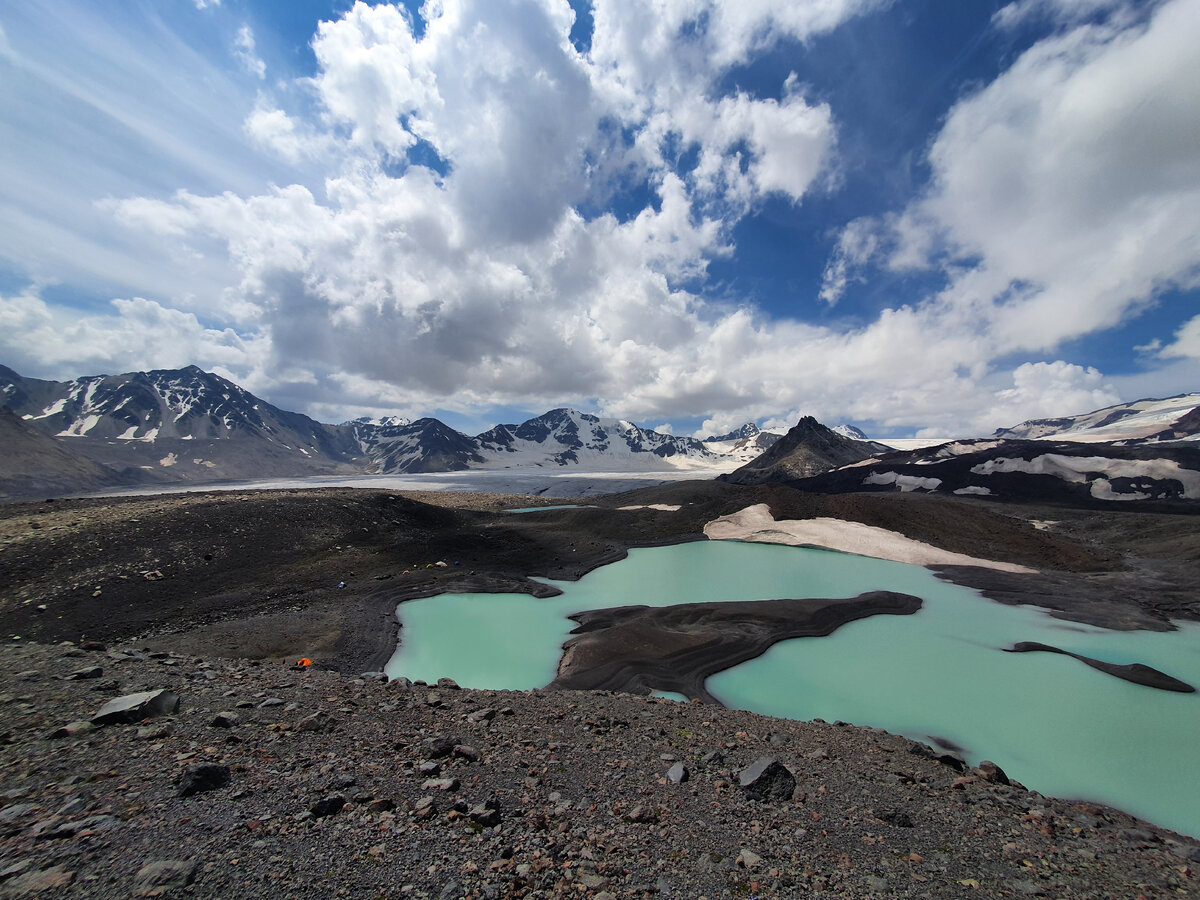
1081,475
809,448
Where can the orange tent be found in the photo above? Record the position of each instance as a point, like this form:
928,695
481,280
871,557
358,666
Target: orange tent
305,661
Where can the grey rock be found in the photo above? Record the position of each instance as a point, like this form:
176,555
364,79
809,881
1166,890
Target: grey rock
49,879
677,774
318,721
767,779
486,814
327,806
203,777
990,772
438,747
271,701
225,720
135,707
55,829
153,732
85,673
641,814
13,869
448,684
896,817
1186,851
16,812
1027,887
73,729
164,875
467,752
71,807
429,769
748,859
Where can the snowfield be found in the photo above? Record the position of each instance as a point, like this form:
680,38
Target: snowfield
755,524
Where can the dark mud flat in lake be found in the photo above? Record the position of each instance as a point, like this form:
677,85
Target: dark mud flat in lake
1137,673
675,648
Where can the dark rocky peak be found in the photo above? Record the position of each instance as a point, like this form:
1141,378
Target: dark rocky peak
809,448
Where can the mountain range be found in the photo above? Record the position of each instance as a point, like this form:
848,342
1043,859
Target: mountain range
186,425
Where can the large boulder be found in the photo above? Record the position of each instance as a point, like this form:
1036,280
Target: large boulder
767,779
135,707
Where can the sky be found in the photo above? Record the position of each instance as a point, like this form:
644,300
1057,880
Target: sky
922,217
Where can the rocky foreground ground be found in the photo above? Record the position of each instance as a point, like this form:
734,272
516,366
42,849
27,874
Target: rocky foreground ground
270,781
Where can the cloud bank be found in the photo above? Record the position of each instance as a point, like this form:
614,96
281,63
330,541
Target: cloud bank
485,215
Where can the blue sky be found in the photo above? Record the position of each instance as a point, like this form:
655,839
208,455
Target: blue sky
919,217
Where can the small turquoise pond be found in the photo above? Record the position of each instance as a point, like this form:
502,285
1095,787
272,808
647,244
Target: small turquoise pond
1050,721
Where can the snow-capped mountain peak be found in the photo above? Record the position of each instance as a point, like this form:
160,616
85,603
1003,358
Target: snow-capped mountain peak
846,430
380,421
186,403
566,437
748,430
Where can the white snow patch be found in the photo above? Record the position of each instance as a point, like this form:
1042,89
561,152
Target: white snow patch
1075,469
168,460
755,524
974,490
52,410
865,462
1102,489
662,507
80,427
130,434
904,482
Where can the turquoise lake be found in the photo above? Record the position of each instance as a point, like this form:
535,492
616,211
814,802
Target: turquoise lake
1051,722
